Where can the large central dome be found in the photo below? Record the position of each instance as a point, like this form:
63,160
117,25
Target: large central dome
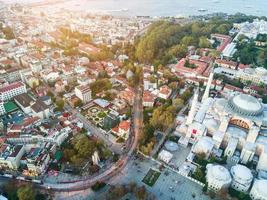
245,105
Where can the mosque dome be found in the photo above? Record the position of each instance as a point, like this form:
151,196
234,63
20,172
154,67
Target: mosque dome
204,145
258,190
245,105
211,124
218,177
241,174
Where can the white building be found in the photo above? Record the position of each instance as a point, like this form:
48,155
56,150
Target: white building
218,177
123,129
259,190
84,93
242,178
2,108
9,91
236,123
10,156
165,156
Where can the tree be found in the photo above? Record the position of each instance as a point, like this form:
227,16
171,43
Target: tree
26,193
223,28
141,193
173,85
178,103
100,85
199,175
204,43
188,40
85,147
162,117
78,103
10,190
60,104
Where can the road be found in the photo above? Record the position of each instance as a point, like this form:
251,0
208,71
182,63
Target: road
131,144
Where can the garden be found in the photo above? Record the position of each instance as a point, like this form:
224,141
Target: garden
151,177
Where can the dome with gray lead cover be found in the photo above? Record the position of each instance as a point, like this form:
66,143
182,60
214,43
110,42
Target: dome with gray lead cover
245,105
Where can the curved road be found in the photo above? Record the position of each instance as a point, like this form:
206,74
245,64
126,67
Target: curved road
131,145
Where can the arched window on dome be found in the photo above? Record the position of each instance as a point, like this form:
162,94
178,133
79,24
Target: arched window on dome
240,123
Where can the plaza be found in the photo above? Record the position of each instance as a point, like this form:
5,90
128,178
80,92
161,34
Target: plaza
169,185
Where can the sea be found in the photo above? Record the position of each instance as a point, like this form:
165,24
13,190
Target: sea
160,8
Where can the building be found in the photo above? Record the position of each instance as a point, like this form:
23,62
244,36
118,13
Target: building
84,93
148,99
218,177
37,160
123,129
9,91
224,40
24,101
40,109
148,84
242,178
164,92
203,146
111,120
2,108
236,123
258,190
10,156
197,68
165,156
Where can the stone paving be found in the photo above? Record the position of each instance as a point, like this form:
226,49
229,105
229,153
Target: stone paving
169,186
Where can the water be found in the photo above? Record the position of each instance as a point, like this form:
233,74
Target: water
163,7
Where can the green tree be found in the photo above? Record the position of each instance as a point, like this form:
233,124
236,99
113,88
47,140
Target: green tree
60,104
199,175
204,43
178,103
84,146
26,193
162,117
188,40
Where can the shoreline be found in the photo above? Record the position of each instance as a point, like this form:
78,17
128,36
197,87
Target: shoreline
57,5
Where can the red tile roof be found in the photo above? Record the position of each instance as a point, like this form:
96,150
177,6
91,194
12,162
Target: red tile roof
226,62
199,69
224,39
124,125
11,86
148,97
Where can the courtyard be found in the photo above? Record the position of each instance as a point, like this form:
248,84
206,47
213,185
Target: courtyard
96,115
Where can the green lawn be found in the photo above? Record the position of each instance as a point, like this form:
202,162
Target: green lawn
151,177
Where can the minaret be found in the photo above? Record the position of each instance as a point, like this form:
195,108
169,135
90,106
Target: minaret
192,111
207,90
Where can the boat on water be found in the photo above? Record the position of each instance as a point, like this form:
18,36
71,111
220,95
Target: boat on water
216,1
202,10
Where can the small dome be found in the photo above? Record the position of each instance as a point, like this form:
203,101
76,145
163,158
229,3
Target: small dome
171,146
220,104
245,105
204,145
211,124
241,173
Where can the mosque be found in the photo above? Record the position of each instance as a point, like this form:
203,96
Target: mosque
234,126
